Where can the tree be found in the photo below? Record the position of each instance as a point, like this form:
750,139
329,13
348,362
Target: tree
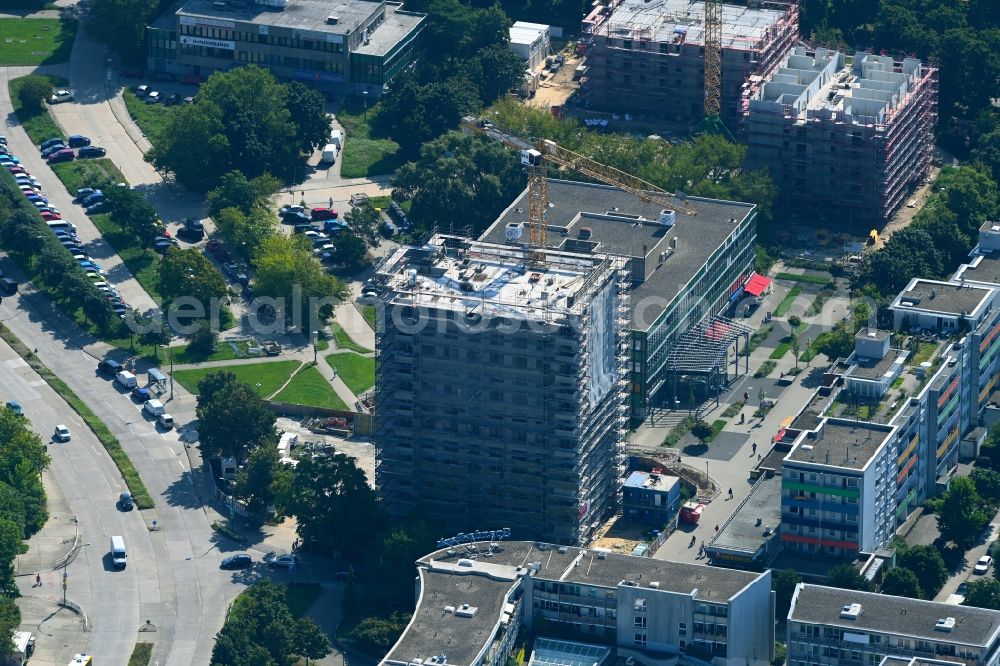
204,341
991,447
310,641
189,273
234,420
351,251
377,635
962,516
246,232
498,70
783,585
254,480
793,343
414,112
10,620
902,582
702,430
121,24
233,191
846,576
156,335
983,593
288,271
908,253
927,565
130,210
987,482
193,146
11,545
35,91
334,506
307,107
213,383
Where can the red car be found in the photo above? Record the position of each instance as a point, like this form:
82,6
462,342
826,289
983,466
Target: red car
17,169
323,214
63,155
49,216
691,512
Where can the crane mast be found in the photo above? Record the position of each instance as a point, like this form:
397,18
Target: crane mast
713,58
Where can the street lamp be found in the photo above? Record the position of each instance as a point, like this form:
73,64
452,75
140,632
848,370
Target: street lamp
315,349
364,95
258,389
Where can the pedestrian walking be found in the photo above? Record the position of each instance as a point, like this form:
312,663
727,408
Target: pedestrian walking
746,396
753,447
730,493
38,580
331,202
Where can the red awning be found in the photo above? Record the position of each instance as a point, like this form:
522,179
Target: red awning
757,285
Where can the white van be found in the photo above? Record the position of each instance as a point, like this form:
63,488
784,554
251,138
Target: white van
337,139
126,379
166,421
61,224
154,407
118,554
330,153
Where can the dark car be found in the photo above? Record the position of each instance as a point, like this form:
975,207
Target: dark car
8,285
91,151
78,141
64,155
54,148
93,209
125,501
50,142
237,561
109,366
172,100
83,193
93,198
303,227
293,217
192,234
141,394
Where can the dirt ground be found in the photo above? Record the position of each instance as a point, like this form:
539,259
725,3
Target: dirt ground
359,448
556,88
619,536
916,200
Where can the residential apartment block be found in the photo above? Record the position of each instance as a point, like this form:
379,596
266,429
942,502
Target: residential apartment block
474,599
685,273
501,385
846,139
648,57
355,45
834,627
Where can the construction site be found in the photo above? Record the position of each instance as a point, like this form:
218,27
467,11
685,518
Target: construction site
501,385
648,58
846,139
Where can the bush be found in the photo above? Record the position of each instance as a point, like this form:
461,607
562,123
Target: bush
765,369
33,93
204,342
795,321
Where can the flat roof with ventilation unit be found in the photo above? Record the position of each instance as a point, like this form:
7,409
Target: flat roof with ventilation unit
937,297
841,443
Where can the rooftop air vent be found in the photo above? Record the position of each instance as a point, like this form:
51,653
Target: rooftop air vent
449,609
563,549
945,624
465,562
655,584
850,612
465,610
586,232
332,20
668,217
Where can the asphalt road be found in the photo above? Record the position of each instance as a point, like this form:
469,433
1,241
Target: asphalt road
90,483
181,590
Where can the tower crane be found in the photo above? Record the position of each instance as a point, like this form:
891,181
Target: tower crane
536,156
713,60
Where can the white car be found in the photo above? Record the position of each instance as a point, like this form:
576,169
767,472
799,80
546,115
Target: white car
61,96
983,565
153,97
287,561
61,434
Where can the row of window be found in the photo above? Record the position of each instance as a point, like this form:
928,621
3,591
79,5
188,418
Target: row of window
257,38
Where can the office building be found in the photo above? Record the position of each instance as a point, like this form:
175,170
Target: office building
473,600
846,140
500,385
687,275
647,58
352,46
834,627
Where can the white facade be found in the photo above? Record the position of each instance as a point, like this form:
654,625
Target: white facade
530,41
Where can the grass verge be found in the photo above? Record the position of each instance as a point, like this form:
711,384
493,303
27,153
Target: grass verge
717,426
757,338
36,41
796,277
228,533
224,352
733,409
782,349
300,596
358,372
38,124
270,376
364,154
368,312
817,305
87,173
344,341
766,368
152,119
786,303
308,387
141,654
140,495
681,429
142,262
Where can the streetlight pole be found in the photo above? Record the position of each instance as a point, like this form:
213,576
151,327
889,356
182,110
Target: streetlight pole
257,388
364,95
171,350
315,348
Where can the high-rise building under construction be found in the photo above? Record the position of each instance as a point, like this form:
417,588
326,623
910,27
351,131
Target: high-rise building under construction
648,58
501,385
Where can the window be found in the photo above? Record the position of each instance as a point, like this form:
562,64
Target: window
640,606
682,629
640,640
640,621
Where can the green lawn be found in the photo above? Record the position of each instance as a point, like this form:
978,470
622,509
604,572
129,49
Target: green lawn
141,654
151,118
783,346
270,376
923,353
87,173
786,303
142,262
310,388
35,41
300,596
797,277
224,352
38,124
365,155
368,312
765,369
344,341
358,372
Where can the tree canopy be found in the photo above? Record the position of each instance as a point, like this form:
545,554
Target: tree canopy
288,271
848,577
783,584
962,515
928,567
232,418
983,593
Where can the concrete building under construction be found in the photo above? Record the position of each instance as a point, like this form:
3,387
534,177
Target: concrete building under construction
845,139
648,57
501,385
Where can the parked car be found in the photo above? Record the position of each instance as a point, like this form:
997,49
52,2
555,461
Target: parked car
237,561
142,91
304,227
61,434
50,142
49,216
83,193
9,285
982,565
323,214
125,501
91,151
287,561
15,406
189,100
93,197
153,97
60,96
292,217
191,233
78,141
86,263
64,155
172,100
54,148
96,208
